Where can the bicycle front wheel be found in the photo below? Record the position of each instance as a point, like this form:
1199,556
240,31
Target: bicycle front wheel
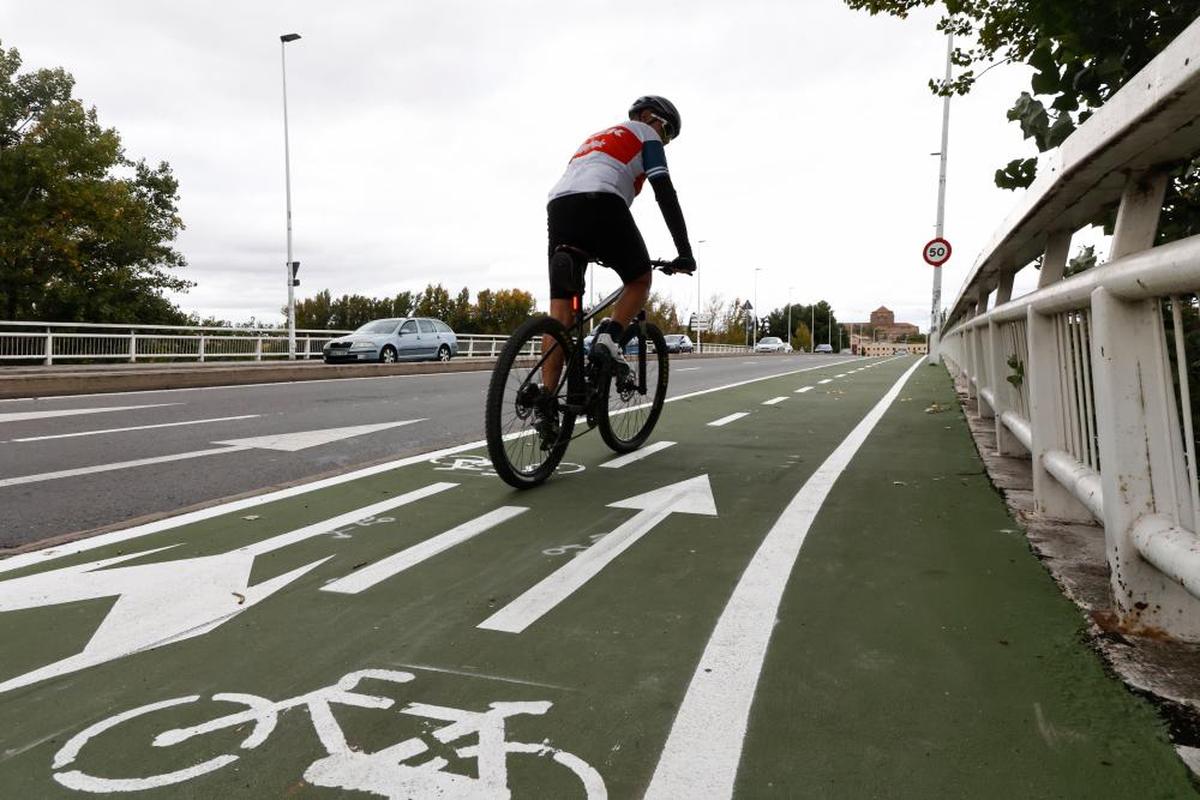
634,395
522,455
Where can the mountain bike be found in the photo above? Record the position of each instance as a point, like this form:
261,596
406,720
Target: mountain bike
621,398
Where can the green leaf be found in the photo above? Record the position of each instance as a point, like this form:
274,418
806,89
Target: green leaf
1017,174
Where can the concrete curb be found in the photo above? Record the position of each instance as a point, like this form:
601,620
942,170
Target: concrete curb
58,381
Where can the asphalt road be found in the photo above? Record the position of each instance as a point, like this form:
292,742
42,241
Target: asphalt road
803,586
56,469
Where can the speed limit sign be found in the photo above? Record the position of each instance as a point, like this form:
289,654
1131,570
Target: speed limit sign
937,252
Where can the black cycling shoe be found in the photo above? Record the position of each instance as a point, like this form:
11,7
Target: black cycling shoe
545,421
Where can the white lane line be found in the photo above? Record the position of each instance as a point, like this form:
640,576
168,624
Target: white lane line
636,455
702,752
717,423
803,389
827,380
22,416
691,496
136,428
115,537
380,571
840,375
140,462
774,401
288,442
687,369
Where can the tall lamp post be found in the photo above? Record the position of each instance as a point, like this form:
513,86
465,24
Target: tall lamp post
287,177
934,333
756,271
699,306
789,330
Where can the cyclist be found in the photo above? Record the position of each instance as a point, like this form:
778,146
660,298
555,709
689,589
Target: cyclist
589,210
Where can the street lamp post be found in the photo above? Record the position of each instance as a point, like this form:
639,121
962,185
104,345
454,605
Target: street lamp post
756,271
789,330
699,306
290,267
935,305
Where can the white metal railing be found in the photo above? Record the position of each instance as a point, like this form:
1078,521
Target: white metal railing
1088,375
51,342
56,342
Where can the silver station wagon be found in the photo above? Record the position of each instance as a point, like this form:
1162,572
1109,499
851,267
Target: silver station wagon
395,339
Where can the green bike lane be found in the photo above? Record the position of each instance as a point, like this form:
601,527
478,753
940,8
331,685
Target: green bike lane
919,648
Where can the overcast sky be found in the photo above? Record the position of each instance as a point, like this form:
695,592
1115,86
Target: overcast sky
425,137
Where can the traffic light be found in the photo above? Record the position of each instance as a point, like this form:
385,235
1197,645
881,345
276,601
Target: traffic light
295,269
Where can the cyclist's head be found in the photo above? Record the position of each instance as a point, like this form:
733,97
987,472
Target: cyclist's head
660,110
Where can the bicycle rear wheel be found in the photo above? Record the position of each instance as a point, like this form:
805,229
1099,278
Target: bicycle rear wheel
633,398
521,456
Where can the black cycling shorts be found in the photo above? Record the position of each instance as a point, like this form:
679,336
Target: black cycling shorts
600,224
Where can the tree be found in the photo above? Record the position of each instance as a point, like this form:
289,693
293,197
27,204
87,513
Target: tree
662,312
510,307
434,302
315,313
86,232
1081,53
802,338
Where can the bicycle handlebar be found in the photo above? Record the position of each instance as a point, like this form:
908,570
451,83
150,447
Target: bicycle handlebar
665,266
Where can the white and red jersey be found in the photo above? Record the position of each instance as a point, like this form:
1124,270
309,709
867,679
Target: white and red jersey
617,160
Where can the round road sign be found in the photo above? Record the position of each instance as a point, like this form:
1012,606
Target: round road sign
937,252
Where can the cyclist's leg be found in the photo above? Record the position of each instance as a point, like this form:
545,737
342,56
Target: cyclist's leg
569,221
625,251
552,369
632,300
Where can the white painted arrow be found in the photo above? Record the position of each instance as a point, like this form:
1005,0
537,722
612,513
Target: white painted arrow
291,442
693,496
288,442
168,601
23,416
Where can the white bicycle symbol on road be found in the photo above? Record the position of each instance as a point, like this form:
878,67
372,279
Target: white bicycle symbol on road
382,773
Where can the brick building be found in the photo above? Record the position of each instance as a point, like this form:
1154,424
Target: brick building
883,326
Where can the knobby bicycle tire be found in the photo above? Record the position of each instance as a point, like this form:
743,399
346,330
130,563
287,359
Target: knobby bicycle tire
507,441
626,422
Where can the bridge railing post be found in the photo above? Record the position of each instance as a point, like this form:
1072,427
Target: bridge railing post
1043,372
1143,471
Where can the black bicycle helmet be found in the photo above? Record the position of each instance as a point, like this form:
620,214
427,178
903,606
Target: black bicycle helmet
663,108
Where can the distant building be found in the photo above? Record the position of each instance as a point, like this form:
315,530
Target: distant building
883,327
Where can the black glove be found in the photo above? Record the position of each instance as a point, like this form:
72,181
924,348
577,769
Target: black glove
684,264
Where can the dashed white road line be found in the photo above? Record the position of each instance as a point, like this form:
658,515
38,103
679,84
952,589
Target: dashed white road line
774,401
686,369
136,428
827,380
636,455
841,375
140,462
701,756
717,423
803,389
22,416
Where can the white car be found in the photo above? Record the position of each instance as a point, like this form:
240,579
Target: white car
770,344
823,348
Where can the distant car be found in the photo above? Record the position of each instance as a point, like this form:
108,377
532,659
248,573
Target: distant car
395,339
823,348
679,343
903,351
770,344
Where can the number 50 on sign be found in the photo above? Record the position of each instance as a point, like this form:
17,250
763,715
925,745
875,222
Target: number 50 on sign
937,252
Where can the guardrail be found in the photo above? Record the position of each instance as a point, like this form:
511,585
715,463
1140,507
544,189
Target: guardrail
51,342
1088,375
